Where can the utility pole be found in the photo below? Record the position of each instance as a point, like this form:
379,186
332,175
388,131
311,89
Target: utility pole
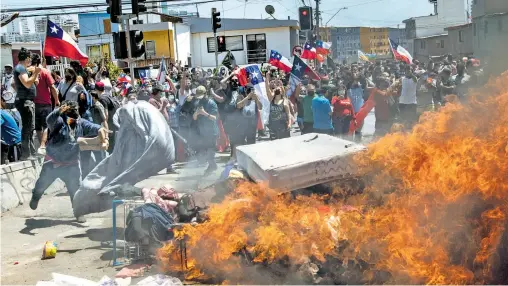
318,14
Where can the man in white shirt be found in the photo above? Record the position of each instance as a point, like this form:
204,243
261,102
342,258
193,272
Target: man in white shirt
8,92
407,100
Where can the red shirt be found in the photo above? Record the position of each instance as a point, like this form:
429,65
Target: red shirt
342,107
43,95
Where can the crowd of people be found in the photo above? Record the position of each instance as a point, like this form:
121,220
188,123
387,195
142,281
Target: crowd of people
209,112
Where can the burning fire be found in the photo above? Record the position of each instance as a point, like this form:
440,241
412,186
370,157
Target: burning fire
433,212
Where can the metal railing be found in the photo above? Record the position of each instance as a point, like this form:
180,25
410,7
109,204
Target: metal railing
256,56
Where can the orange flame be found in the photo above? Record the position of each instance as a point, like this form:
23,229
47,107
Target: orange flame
433,211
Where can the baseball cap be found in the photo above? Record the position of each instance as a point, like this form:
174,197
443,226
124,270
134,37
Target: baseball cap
99,86
157,88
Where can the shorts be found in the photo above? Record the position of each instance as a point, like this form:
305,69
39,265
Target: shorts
41,112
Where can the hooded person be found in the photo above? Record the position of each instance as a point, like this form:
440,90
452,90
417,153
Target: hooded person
63,151
144,146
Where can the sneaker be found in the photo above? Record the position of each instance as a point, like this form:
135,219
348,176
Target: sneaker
41,151
81,219
171,171
34,203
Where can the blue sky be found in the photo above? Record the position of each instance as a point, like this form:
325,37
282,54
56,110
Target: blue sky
375,13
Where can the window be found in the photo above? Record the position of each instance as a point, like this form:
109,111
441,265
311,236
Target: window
233,43
422,45
440,44
150,49
499,25
256,48
461,36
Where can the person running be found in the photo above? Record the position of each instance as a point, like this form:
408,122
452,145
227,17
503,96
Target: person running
62,160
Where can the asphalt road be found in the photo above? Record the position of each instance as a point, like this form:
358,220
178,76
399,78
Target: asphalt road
24,232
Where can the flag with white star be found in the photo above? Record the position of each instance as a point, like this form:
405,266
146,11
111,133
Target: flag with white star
279,61
252,74
309,52
60,44
300,69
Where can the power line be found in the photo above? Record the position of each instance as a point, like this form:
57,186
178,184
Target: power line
97,4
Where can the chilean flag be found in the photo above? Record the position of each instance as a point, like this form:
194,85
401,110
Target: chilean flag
252,74
401,54
323,48
60,44
279,61
309,52
299,71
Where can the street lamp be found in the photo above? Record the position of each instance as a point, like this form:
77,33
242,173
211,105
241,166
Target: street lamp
343,8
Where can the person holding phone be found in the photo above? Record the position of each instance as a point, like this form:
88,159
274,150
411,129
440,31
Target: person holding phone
25,81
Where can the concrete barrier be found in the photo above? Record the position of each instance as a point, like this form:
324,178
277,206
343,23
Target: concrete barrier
18,180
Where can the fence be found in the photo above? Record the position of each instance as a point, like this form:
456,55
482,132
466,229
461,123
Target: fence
61,68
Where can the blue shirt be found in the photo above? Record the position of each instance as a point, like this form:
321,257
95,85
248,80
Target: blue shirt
356,97
62,146
10,129
321,109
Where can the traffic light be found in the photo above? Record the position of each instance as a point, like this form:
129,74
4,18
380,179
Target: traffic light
215,20
138,6
305,18
136,45
221,44
114,10
120,43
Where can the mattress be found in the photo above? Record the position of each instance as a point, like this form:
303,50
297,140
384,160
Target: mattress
298,162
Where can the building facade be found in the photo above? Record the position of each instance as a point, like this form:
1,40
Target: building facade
250,40
490,32
431,46
460,40
346,43
95,37
449,13
375,40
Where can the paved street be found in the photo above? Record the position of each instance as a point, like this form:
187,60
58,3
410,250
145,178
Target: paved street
23,231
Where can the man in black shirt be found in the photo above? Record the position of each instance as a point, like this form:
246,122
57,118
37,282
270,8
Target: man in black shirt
25,93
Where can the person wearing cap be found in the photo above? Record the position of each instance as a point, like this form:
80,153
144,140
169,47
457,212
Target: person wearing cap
205,116
8,93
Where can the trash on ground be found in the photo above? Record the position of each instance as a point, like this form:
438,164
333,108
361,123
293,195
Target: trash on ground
134,270
161,280
67,280
49,250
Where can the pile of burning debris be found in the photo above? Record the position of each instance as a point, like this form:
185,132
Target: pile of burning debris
430,209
